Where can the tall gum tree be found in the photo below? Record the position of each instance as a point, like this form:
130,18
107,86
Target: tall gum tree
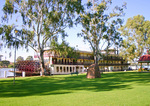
42,20
100,26
136,33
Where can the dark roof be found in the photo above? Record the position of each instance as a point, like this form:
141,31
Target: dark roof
144,59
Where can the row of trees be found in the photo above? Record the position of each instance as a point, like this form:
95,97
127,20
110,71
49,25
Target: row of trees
4,63
20,58
44,20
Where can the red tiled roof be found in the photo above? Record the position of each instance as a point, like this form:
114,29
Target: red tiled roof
145,58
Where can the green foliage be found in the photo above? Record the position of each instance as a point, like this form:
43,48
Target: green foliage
136,35
20,58
10,65
4,63
43,20
1,64
29,58
8,8
100,27
8,38
64,49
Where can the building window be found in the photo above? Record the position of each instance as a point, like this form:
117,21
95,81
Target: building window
57,69
67,69
62,61
59,61
64,69
60,69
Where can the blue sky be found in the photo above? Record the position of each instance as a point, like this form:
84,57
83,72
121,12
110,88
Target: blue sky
134,7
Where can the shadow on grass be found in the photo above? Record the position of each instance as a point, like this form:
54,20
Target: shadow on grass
54,85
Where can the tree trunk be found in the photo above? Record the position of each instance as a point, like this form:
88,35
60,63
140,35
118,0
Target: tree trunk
43,70
97,71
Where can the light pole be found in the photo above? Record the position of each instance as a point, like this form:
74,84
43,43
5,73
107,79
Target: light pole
15,54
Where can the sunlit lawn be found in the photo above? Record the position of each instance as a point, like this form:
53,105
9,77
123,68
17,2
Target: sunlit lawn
113,89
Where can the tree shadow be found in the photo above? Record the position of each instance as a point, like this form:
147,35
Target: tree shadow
62,85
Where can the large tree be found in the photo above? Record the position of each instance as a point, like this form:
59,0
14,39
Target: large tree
100,27
42,20
136,33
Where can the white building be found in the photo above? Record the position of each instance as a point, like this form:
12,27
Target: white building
66,65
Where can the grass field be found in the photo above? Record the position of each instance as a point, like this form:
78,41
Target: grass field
113,89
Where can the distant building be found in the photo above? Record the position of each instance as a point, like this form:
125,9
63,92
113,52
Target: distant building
145,59
1,57
61,65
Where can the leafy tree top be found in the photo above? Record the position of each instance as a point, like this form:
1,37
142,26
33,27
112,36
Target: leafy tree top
136,32
64,50
42,20
20,58
29,58
100,26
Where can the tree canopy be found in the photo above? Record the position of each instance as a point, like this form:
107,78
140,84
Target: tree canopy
20,58
64,50
4,63
42,20
136,33
29,58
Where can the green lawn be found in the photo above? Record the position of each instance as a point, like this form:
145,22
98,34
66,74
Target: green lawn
113,89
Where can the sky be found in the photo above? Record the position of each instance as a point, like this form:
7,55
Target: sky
134,7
